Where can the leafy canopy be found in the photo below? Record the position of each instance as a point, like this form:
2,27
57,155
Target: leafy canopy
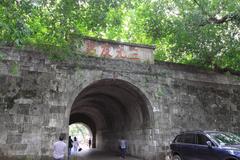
200,32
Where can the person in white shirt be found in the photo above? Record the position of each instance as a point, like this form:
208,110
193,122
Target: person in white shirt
59,148
75,145
123,147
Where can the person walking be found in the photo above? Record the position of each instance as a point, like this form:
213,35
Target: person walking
123,147
75,145
59,148
70,145
89,142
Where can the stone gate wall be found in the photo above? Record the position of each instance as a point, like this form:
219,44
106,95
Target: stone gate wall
36,97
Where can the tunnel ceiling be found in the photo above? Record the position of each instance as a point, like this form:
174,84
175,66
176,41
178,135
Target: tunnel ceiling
111,104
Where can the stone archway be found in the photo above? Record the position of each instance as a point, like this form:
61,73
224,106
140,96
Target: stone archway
113,108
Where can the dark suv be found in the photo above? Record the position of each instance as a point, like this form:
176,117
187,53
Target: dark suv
206,145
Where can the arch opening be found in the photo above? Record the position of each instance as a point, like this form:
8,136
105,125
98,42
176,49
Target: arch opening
113,108
83,134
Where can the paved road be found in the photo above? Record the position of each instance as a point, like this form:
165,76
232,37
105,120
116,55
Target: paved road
93,154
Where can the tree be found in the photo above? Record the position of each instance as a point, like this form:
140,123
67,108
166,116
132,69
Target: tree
205,33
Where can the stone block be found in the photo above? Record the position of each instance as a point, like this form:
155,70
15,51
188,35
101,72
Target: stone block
44,150
18,147
25,128
3,137
14,138
57,109
53,122
29,94
36,120
27,119
36,110
23,101
45,120
11,126
50,129
3,68
7,118
18,119
23,109
4,150
3,107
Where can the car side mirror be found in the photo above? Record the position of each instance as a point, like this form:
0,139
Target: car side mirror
209,143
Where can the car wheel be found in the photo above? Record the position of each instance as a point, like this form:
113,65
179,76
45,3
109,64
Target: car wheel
176,157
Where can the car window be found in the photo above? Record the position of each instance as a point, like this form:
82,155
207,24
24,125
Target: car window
225,138
189,138
202,139
179,139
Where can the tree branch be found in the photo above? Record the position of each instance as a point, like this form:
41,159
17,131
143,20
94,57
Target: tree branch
201,7
224,19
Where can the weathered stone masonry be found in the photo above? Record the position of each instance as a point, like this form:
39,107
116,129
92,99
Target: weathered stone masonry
148,104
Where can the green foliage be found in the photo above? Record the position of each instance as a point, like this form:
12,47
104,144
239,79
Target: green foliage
1,56
205,33
14,68
76,130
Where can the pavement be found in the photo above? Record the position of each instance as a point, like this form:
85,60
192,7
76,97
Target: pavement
94,154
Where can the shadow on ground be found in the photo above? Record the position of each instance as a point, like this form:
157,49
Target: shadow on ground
93,154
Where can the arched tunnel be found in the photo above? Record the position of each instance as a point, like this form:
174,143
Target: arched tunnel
112,108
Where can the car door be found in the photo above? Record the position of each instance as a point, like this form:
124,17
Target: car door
188,146
203,151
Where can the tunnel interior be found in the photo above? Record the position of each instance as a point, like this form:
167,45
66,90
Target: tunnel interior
112,108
